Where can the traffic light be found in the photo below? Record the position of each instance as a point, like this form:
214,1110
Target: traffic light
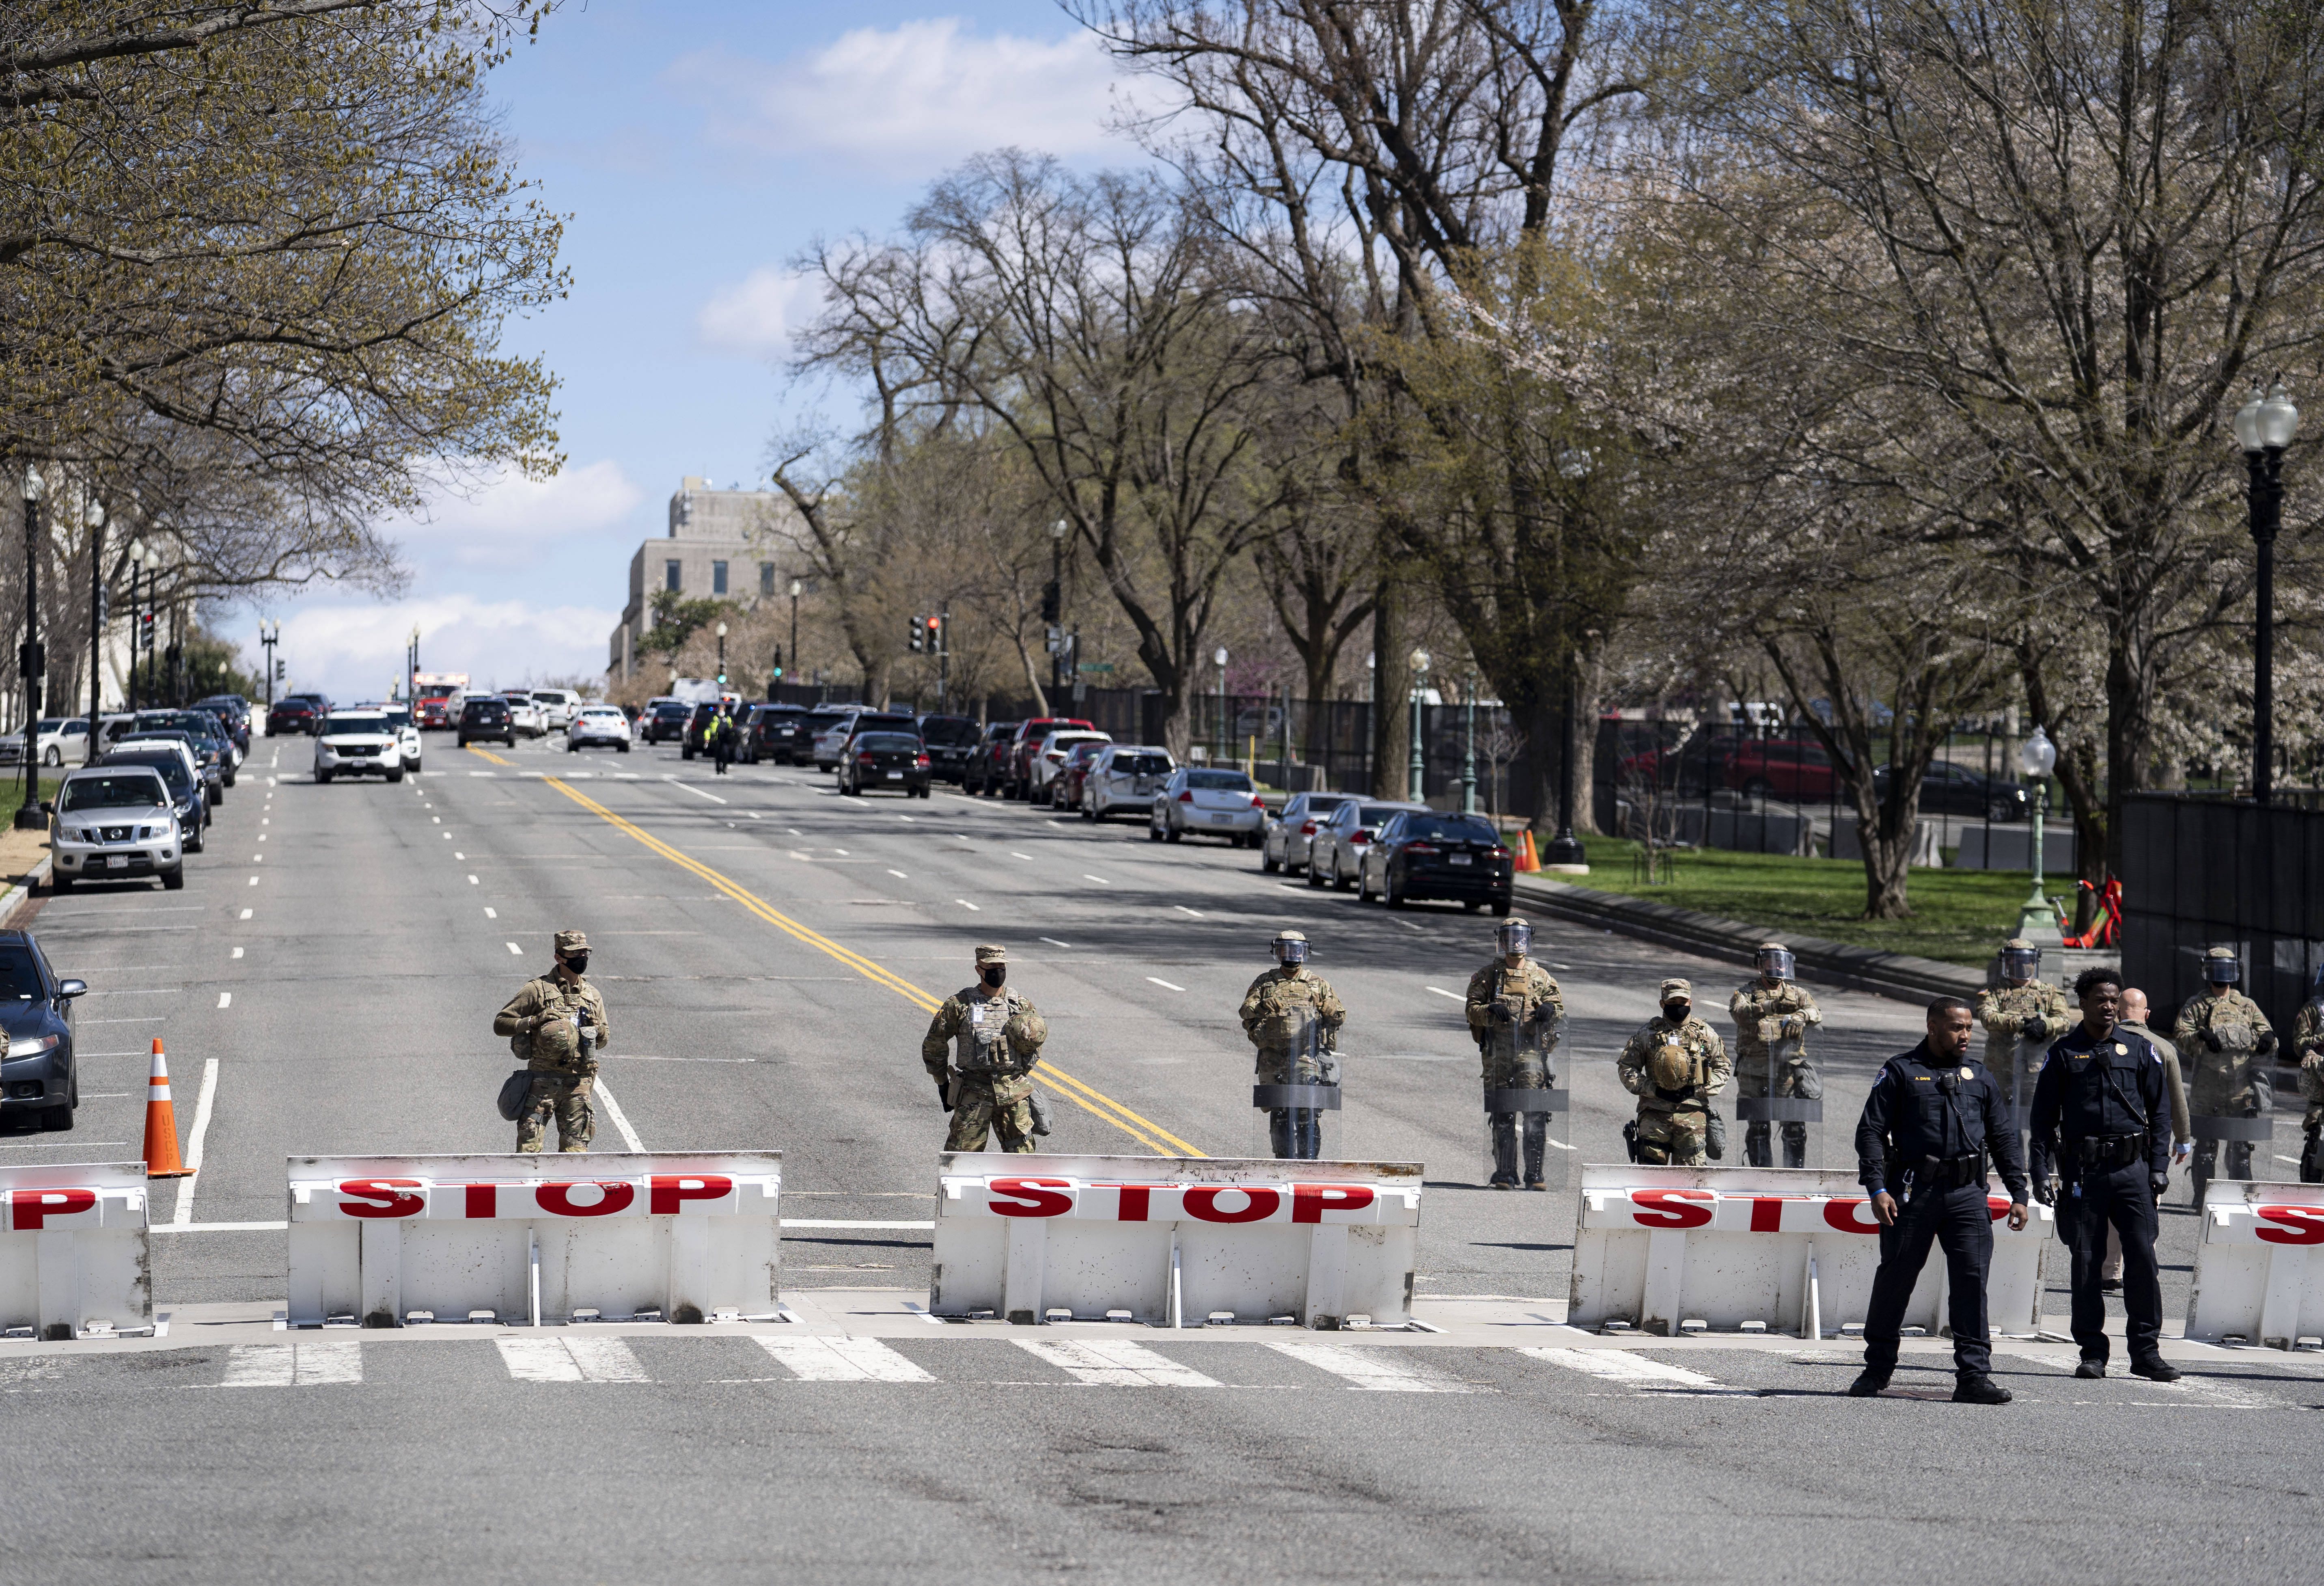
145,628
917,636
282,670
936,635
778,663
1051,602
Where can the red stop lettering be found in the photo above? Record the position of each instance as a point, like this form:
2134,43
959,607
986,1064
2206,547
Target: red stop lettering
1309,1202
2295,1225
1261,1205
1031,1197
1136,1202
32,1207
1842,1215
484,1200
1670,1208
558,1198
665,1191
381,1197
1766,1214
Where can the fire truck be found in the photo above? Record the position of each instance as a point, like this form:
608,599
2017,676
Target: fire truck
437,695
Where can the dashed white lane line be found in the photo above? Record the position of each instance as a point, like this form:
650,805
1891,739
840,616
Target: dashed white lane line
1165,985
842,1359
196,1141
1014,855
253,880
899,875
1634,1370
246,914
570,1359
1368,1368
293,1365
461,857
1101,880
690,788
1111,1363
903,818
1441,991
515,950
1052,942
490,913
1184,910
964,903
225,999
237,952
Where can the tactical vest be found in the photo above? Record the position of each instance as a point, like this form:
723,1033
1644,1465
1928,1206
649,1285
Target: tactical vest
1289,1020
981,1046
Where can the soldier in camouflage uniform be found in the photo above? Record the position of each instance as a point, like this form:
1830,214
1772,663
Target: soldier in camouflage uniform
1515,1009
2308,1046
1293,1016
1675,1064
1775,1009
995,1035
555,1024
2022,1008
2225,1043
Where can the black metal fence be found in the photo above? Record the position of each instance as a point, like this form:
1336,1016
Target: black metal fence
2201,872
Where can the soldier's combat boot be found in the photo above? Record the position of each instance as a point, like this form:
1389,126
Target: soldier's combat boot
1796,1145
1980,1390
1868,1383
1535,1129
1505,1150
2090,1368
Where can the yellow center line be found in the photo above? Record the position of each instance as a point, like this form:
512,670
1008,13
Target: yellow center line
1144,1130
489,755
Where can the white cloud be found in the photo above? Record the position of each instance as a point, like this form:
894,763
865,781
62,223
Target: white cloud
353,651
911,99
510,520
757,316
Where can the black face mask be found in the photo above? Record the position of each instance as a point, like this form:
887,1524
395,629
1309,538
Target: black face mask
578,962
1676,1013
992,974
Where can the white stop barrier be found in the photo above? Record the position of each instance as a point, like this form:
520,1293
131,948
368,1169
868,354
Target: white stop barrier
1174,1241
2255,1276
658,1236
73,1256
1792,1247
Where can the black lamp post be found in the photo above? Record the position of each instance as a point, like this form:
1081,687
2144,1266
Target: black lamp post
795,586
2264,426
1053,609
94,517
30,662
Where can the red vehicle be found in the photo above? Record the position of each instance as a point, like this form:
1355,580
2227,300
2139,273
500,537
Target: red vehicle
1066,789
1017,770
1795,769
432,693
435,711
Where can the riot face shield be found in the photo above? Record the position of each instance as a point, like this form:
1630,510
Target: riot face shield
2229,1099
2019,964
1778,962
1527,1116
1296,1099
1783,1089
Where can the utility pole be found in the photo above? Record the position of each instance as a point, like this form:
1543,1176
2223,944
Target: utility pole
943,625
30,661
95,516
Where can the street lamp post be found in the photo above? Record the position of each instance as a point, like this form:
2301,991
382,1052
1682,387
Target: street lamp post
267,639
94,514
1468,753
2264,426
1419,683
412,675
722,655
2037,922
1220,656
30,664
796,588
1053,611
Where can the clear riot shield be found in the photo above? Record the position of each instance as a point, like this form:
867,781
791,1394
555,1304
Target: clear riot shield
1296,1099
1780,1097
2229,1099
2025,1060
1527,1134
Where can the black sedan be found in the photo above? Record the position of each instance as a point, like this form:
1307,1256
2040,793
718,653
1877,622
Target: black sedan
885,762
1947,789
1421,853
667,721
38,1078
291,715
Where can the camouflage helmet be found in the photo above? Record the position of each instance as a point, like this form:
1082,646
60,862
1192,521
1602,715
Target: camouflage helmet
1671,1068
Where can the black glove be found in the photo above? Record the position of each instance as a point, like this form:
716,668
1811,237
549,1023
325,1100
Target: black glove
1502,1013
2212,1041
2031,1029
2158,1181
2266,1048
2044,1193
1680,1094
944,1093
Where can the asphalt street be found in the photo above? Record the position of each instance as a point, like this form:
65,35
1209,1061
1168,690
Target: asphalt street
326,983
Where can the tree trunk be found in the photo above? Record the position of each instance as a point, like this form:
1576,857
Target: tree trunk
1540,721
1391,722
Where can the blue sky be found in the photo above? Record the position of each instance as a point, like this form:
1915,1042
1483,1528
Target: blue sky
698,145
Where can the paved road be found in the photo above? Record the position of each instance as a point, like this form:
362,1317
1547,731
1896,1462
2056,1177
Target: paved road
329,975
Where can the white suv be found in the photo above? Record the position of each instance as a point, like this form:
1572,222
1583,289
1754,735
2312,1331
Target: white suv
1125,778
558,707
354,743
1042,767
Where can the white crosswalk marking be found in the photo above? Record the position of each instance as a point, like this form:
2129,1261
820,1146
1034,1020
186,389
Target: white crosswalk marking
1635,1370
570,1359
1114,1363
293,1365
842,1359
1373,1369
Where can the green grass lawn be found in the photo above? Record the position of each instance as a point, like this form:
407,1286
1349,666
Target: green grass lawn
1959,916
12,794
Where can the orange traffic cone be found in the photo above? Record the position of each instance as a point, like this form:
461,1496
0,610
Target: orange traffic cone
1528,861
162,1158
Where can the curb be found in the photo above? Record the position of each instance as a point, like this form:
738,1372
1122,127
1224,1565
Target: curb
16,897
1901,976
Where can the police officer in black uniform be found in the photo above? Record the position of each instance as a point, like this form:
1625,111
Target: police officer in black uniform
2102,1126
1933,1116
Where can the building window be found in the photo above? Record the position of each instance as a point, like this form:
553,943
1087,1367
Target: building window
718,577
670,576
766,578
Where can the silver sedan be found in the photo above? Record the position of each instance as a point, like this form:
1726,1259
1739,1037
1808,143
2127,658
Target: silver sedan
1290,832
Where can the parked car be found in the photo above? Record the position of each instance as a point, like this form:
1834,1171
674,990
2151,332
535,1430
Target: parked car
1213,803
1947,789
524,717
812,727
558,706
292,714
114,823
486,717
205,756
61,741
980,773
200,726
1419,855
1073,777
769,733
36,1011
885,762
1016,771
1337,846
357,744
667,721
1284,845
175,763
1042,765
598,724
831,744
950,740
1124,778
1790,769
234,711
